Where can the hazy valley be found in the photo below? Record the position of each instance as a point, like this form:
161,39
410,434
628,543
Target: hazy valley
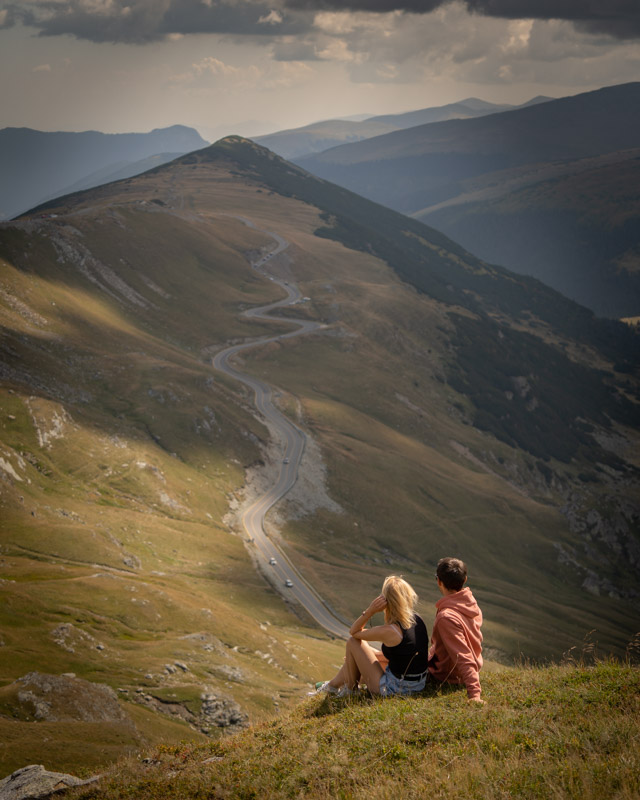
546,190
39,165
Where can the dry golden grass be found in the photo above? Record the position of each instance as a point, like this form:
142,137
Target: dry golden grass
558,732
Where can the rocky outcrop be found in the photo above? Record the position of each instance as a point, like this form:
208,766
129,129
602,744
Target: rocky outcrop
218,712
36,783
215,711
57,698
614,531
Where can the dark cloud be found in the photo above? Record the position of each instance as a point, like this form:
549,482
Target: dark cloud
242,19
141,21
377,6
617,18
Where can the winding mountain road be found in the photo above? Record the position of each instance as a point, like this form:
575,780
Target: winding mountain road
271,558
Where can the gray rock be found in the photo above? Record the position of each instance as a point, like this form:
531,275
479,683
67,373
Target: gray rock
215,712
36,783
221,713
131,561
229,672
61,698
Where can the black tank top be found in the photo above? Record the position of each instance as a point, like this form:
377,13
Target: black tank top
409,658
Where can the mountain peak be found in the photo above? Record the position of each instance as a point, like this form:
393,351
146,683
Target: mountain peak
235,139
242,145
244,152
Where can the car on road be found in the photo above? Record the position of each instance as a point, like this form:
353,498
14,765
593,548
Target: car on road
272,561
285,460
288,583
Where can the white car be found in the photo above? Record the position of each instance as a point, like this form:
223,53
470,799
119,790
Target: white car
272,561
285,460
288,583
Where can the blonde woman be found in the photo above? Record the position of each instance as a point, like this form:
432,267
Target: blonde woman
401,666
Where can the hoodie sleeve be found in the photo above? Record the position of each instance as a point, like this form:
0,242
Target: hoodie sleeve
454,638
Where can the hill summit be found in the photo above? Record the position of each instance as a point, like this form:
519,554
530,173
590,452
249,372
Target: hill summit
533,739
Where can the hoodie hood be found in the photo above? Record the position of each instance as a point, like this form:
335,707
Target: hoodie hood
463,602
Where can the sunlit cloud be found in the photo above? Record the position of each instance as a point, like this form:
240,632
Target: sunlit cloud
213,73
272,18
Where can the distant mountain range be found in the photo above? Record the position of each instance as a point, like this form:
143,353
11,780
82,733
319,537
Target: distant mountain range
314,138
38,165
474,180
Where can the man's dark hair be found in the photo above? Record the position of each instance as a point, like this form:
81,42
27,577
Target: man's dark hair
452,573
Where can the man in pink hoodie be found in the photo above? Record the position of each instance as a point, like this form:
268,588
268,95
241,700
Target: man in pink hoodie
456,642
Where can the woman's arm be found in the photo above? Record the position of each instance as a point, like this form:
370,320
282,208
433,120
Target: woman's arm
387,634
374,606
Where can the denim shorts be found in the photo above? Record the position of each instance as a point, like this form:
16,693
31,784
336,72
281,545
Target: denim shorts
390,685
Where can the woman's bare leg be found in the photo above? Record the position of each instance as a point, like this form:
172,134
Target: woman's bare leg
340,678
360,661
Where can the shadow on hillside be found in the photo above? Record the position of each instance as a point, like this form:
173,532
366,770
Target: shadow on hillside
330,704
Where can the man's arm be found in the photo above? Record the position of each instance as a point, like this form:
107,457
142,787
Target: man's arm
453,636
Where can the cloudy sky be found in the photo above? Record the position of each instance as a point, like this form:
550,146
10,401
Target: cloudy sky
253,66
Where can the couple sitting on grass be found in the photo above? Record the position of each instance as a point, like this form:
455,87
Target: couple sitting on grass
406,663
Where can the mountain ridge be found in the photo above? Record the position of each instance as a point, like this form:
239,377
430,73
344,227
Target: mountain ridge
424,136
322,135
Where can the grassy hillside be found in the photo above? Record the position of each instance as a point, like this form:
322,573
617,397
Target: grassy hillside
563,732
120,457
122,454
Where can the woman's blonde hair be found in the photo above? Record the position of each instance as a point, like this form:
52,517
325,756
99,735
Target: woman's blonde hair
401,601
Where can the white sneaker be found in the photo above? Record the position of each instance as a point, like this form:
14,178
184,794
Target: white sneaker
325,688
